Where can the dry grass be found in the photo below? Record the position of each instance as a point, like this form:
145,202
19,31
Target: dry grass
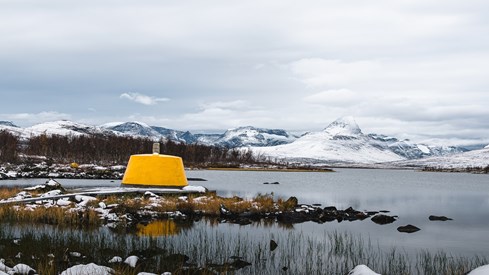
6,193
52,215
208,205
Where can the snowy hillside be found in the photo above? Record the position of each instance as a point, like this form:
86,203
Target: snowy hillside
242,136
63,127
341,142
344,142
471,159
156,133
251,136
11,127
131,128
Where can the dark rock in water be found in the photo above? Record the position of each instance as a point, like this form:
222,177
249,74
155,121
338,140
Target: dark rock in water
330,209
383,219
242,221
196,179
266,182
361,216
316,204
384,211
293,217
285,268
275,182
273,245
439,218
408,229
371,213
239,264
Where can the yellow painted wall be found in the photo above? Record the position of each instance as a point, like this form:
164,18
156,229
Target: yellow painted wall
155,170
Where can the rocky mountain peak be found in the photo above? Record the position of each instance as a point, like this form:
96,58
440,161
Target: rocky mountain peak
344,126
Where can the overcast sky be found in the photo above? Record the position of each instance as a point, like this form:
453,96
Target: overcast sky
414,69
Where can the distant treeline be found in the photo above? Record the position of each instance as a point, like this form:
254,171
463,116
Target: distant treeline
474,170
106,150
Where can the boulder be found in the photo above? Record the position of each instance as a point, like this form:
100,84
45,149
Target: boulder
273,245
408,229
439,218
383,219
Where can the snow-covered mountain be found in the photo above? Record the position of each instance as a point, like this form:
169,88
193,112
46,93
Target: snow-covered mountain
251,136
344,142
341,142
471,159
8,124
131,128
238,137
64,128
141,129
11,127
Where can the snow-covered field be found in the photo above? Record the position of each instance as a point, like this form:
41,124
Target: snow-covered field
471,159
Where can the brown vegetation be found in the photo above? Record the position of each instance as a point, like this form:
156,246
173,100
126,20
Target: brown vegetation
111,150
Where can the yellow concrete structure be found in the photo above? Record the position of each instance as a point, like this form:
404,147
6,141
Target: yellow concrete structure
155,170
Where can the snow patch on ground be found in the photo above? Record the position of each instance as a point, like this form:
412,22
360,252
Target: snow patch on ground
199,189
482,270
131,261
88,269
362,270
471,159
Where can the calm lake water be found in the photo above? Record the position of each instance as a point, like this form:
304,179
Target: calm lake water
411,195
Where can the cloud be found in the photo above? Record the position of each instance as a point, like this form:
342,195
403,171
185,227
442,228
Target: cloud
336,97
143,99
324,72
236,104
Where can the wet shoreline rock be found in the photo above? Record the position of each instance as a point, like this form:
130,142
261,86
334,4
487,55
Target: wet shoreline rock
408,229
439,218
383,219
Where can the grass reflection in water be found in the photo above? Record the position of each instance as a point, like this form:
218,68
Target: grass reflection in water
185,248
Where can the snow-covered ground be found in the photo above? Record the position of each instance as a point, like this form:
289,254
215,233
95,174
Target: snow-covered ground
471,159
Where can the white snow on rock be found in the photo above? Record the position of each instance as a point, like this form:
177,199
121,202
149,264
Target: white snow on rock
83,200
51,193
88,269
199,189
11,174
75,254
115,259
63,202
487,147
362,270
3,267
131,261
482,270
146,273
22,269
52,182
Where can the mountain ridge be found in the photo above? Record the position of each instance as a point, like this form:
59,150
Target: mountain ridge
342,141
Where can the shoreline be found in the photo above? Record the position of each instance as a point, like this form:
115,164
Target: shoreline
257,169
